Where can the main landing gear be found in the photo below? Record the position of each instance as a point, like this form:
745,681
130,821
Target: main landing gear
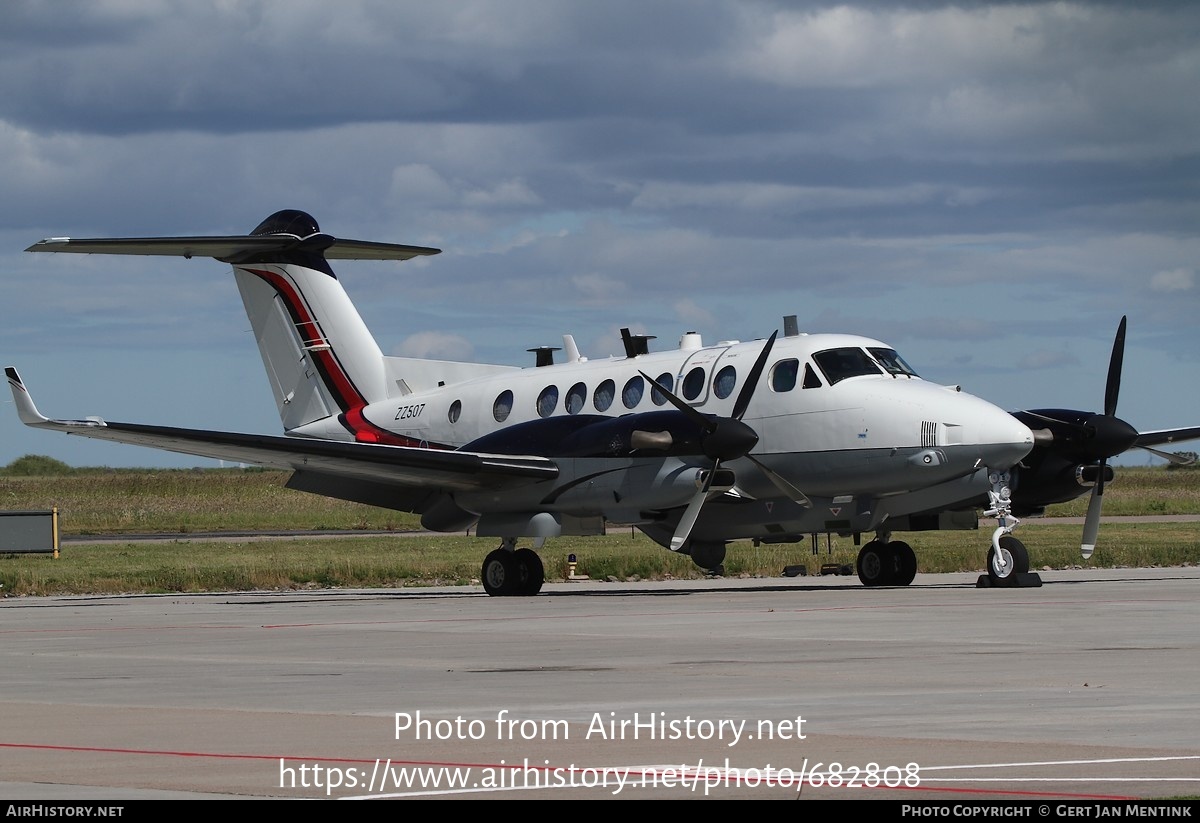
884,562
509,571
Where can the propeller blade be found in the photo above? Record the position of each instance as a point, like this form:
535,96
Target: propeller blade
1091,523
1113,432
725,438
684,529
704,421
781,483
743,398
1113,387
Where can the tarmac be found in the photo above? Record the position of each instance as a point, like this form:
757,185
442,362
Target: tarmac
811,687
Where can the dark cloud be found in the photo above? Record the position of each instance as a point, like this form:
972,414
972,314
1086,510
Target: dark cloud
988,184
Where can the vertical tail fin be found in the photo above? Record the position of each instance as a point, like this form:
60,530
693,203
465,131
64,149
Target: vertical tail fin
320,357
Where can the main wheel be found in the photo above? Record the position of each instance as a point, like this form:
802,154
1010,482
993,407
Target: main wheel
875,564
530,572
500,574
708,556
1016,561
904,563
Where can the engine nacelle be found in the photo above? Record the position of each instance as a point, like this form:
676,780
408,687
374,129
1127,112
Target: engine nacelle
1045,478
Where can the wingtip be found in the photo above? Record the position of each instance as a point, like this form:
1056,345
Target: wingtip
26,409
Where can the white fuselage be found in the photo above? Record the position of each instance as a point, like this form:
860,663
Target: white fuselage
877,434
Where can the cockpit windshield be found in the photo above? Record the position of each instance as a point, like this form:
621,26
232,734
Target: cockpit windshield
838,364
893,362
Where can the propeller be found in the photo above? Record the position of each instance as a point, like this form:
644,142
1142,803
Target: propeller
1110,435
726,438
1092,437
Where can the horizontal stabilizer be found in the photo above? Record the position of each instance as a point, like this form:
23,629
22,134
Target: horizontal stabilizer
235,249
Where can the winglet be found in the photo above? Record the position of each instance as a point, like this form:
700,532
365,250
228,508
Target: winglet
29,414
25,408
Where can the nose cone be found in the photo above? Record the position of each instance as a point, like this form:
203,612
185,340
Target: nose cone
1003,439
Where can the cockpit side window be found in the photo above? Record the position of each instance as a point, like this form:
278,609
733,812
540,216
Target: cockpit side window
892,362
811,381
838,364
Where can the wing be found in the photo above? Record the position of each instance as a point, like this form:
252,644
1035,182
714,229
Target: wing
1163,436
377,473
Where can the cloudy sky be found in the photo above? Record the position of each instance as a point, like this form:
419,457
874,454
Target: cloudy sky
986,186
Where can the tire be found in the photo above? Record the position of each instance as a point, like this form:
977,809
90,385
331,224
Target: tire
1017,561
708,556
530,572
875,564
500,575
905,563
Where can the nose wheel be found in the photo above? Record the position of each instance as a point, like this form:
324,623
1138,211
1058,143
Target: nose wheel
1012,561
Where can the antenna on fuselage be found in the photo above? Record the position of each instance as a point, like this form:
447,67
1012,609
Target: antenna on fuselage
573,355
636,344
544,354
791,328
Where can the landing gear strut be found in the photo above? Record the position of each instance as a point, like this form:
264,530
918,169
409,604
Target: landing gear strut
886,563
1007,559
508,571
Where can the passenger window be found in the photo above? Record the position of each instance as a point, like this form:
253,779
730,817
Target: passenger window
576,397
502,408
693,384
783,376
631,395
725,381
604,394
455,411
547,401
667,381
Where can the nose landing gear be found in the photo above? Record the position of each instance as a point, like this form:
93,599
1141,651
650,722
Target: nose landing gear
1007,559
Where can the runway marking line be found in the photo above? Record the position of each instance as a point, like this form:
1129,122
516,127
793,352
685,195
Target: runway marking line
642,770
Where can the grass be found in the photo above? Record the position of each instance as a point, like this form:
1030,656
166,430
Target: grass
106,502
181,502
